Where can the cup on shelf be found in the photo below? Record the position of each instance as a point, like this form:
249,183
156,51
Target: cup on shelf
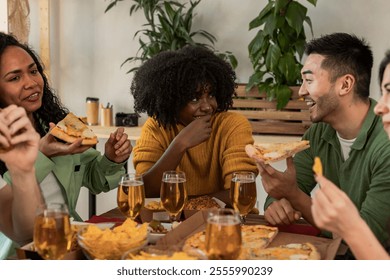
107,115
92,107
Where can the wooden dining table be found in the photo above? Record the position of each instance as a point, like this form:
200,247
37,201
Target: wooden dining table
299,232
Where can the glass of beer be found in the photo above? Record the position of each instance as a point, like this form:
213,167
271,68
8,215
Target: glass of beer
223,234
52,231
131,195
243,193
173,193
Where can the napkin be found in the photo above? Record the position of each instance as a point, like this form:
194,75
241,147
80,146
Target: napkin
300,229
99,219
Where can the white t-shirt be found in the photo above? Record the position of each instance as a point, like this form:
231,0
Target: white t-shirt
346,145
51,189
2,182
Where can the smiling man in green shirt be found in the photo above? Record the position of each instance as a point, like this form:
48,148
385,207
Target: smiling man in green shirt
346,135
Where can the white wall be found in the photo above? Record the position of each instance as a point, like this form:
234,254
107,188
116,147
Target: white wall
88,46
3,16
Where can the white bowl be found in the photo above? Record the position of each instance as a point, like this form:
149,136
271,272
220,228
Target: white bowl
153,237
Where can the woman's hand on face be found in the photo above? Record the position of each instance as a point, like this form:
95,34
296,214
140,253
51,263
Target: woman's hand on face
198,131
118,147
50,147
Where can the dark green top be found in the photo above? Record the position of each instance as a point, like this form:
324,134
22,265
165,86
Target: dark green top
364,176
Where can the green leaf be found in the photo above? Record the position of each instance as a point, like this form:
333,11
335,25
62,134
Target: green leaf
308,21
313,2
255,79
110,6
271,93
295,16
290,69
264,87
273,56
208,36
280,5
255,45
300,48
283,42
262,17
270,26
283,94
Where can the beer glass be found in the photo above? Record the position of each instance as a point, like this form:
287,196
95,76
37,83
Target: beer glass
173,193
52,231
223,234
131,195
243,194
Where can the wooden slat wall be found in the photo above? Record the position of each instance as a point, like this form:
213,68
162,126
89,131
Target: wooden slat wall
294,119
44,21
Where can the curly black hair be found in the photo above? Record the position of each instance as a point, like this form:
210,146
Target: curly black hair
51,110
165,84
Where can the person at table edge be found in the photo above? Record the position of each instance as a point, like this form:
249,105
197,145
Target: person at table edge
346,135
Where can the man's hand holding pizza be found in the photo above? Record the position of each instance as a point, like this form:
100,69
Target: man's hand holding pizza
293,203
279,185
276,183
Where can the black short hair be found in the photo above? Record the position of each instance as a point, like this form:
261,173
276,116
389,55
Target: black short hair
345,54
165,84
382,66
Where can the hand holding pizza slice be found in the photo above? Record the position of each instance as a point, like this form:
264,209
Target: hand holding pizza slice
72,128
273,152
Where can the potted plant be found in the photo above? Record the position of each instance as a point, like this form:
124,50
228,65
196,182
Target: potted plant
168,27
277,49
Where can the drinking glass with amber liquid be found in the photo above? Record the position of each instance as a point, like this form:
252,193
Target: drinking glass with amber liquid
223,234
243,194
131,195
52,231
173,193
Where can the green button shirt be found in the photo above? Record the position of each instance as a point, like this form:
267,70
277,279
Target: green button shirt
364,176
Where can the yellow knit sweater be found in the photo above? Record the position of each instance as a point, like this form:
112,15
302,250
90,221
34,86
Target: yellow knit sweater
208,166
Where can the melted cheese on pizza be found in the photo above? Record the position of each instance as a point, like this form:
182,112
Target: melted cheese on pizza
294,251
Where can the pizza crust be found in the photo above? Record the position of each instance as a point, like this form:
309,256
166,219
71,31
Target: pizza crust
292,251
273,152
71,128
253,237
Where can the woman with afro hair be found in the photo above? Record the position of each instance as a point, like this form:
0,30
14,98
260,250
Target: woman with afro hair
186,94
61,168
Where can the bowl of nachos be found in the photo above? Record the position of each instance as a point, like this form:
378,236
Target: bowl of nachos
111,244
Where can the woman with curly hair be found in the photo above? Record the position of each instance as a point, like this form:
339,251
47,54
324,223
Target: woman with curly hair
61,168
186,94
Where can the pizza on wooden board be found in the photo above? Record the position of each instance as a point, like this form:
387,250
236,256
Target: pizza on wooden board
292,251
272,152
253,236
72,128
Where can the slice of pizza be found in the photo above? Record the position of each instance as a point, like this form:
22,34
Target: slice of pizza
272,152
292,251
72,128
253,236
